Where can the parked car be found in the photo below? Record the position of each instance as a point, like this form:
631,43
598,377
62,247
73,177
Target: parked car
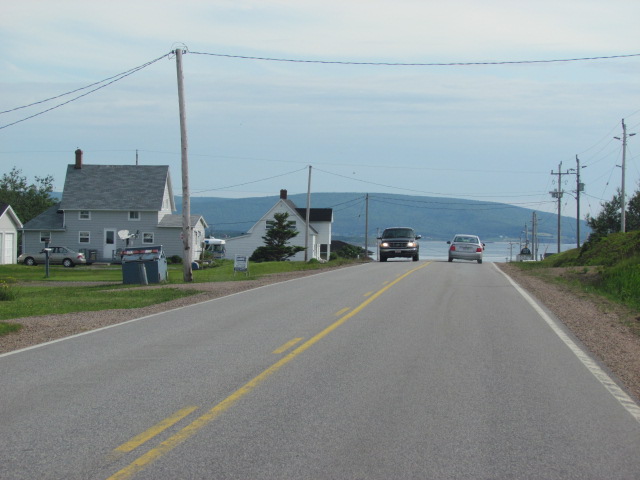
399,242
466,247
57,256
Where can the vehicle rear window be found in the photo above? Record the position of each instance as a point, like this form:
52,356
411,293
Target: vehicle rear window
466,240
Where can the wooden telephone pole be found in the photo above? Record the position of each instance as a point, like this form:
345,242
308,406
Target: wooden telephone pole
623,222
186,200
557,193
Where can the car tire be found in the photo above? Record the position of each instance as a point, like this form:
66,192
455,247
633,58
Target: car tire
479,260
67,262
416,257
450,259
383,258
29,261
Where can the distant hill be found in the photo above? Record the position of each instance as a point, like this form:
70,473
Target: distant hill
435,218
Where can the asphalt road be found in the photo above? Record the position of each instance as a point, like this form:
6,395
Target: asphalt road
397,370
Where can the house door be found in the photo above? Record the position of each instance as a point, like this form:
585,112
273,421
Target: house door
109,243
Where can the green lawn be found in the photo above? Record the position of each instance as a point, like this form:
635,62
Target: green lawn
24,291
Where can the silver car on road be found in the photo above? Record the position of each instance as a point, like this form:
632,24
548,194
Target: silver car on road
466,247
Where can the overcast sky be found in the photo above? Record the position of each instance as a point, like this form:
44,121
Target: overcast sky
483,132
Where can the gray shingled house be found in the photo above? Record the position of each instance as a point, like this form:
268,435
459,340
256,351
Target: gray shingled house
99,201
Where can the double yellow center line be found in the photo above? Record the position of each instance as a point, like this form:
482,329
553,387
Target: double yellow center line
190,430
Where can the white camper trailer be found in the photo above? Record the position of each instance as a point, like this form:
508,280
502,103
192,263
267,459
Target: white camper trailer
216,246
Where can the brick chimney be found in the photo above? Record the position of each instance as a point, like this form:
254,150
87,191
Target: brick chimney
283,194
78,159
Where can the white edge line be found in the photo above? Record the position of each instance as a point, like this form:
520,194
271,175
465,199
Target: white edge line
57,340
620,395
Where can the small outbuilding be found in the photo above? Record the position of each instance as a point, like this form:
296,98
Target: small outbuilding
9,226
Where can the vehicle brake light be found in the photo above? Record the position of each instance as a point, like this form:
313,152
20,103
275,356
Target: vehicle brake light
453,248
479,249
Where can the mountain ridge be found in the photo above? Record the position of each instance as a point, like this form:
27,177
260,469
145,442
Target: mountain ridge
435,218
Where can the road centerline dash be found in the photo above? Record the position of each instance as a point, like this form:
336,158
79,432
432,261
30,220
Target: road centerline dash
190,430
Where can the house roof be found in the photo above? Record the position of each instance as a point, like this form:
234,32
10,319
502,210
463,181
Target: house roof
6,209
51,219
317,214
115,187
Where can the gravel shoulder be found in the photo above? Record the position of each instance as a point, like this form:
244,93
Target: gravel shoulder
602,327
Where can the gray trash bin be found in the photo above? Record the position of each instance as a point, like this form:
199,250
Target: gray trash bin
144,265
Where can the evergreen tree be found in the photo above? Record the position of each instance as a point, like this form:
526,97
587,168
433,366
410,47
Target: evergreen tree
276,248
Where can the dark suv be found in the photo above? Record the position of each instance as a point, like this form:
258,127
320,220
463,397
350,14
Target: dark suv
399,242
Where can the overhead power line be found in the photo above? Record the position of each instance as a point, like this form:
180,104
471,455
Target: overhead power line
247,183
110,80
101,84
417,64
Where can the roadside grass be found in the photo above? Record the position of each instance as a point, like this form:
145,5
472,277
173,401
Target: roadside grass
24,291
608,267
6,327
222,271
34,301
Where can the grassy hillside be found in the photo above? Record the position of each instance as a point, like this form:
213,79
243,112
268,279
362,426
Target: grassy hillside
435,218
609,266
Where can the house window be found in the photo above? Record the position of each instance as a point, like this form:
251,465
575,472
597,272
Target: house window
134,215
147,238
84,215
45,237
272,223
84,237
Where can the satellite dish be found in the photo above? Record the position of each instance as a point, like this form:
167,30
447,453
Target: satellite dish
123,234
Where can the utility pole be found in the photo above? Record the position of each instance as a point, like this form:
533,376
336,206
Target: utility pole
579,188
534,236
623,166
366,228
307,219
557,193
186,200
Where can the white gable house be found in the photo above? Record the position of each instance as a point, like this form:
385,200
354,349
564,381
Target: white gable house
320,221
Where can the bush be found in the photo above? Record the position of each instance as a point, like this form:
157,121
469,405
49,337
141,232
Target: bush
177,259
7,291
350,251
279,253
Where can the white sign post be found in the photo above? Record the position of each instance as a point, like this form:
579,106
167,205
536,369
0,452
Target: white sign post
241,264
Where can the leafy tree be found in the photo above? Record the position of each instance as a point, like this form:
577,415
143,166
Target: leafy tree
608,220
275,247
633,213
28,201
